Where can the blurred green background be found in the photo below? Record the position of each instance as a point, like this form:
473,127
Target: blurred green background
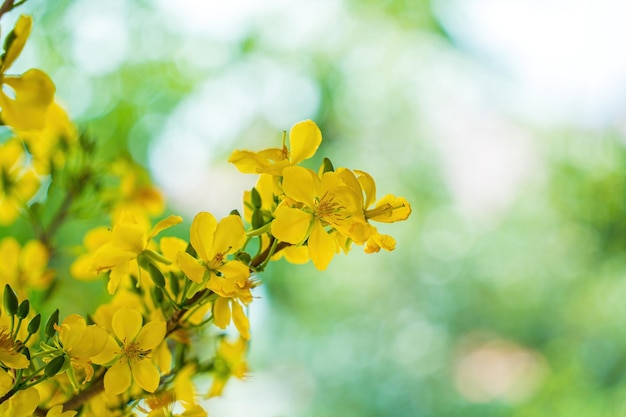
500,121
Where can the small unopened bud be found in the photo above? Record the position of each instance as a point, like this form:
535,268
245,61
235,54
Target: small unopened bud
10,300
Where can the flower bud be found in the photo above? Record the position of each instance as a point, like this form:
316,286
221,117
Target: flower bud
10,300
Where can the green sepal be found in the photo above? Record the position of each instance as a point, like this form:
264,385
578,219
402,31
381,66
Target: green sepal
174,285
257,219
194,288
11,36
244,257
255,197
157,295
156,275
235,213
148,255
190,250
10,300
327,166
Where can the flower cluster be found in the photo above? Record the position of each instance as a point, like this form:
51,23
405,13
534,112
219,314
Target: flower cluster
170,306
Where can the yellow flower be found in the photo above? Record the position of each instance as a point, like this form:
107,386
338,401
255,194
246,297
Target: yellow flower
24,267
183,393
229,279
81,268
304,139
388,209
131,352
135,192
9,356
128,239
213,242
17,184
50,144
314,208
230,360
81,343
33,91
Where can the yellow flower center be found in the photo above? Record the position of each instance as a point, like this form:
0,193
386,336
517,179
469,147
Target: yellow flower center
216,262
134,352
6,341
327,209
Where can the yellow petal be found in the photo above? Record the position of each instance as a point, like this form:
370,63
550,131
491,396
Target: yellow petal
145,374
248,162
34,256
14,360
217,387
117,274
6,382
378,241
322,246
304,139
290,225
232,276
94,341
9,253
389,209
171,246
301,184
34,93
21,31
235,272
369,187
164,224
24,403
230,235
202,233
151,335
126,323
240,320
108,352
295,254
118,378
191,267
97,237
71,331
8,211
221,312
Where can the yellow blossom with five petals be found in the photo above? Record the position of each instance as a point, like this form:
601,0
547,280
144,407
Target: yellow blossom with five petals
131,352
129,238
313,209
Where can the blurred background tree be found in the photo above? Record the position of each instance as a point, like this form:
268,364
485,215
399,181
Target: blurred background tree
501,122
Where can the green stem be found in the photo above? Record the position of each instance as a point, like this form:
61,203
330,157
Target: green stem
261,230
